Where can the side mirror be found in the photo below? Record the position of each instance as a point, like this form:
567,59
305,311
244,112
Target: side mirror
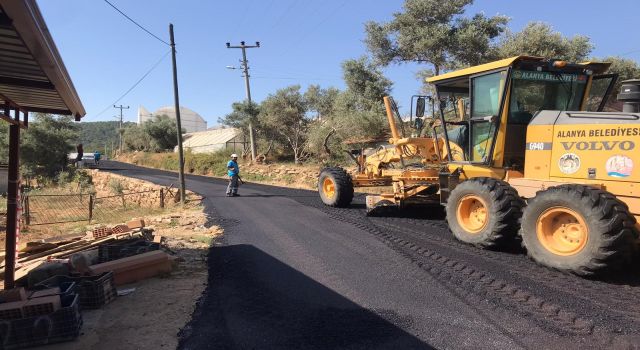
420,106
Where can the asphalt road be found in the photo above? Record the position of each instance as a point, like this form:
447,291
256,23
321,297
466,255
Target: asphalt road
291,273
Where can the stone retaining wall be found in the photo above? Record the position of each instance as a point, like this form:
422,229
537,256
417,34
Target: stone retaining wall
141,192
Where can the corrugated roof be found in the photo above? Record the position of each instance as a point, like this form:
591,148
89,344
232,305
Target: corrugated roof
210,137
32,74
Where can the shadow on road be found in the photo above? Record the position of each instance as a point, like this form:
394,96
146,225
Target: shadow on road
255,301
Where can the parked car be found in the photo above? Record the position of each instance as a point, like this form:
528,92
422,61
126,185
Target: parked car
87,159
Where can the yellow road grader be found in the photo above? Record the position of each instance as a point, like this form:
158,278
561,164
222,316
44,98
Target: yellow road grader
519,146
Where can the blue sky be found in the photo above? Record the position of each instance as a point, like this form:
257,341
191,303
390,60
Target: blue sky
302,42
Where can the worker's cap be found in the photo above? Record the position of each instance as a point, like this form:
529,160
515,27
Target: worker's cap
234,156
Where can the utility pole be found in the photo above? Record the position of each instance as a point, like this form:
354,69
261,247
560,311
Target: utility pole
245,68
178,122
121,107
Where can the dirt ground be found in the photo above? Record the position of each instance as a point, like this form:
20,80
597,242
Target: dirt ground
151,316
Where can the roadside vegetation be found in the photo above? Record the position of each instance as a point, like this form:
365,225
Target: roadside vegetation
312,124
317,125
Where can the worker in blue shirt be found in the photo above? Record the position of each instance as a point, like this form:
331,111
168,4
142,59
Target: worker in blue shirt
96,158
233,171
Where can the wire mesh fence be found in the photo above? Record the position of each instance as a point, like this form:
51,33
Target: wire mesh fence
48,209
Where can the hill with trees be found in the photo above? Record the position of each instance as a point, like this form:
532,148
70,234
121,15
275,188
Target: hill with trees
100,136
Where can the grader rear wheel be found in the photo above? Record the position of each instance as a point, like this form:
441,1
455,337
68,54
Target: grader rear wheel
578,229
484,212
335,187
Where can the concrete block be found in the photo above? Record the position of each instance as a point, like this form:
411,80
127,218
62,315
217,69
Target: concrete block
137,223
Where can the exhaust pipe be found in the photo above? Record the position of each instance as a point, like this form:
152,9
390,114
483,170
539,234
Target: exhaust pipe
630,96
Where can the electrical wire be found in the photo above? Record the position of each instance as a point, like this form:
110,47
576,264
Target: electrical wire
283,15
134,85
136,23
326,18
287,78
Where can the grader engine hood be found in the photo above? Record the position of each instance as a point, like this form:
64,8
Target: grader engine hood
589,145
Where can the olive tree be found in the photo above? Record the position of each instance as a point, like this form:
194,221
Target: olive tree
434,32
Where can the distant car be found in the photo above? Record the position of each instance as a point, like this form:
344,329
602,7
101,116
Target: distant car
87,158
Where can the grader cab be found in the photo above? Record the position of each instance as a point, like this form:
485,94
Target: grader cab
519,147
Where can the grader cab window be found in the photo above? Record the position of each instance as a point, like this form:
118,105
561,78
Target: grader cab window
599,92
534,91
486,97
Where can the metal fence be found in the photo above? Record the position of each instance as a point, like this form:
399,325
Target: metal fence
48,209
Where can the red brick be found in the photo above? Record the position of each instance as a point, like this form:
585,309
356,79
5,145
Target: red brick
121,229
41,306
45,293
11,310
101,232
137,223
15,294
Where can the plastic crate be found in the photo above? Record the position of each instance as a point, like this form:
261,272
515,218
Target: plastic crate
94,291
125,248
66,287
61,325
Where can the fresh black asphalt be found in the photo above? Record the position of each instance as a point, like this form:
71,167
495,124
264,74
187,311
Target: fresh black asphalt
292,274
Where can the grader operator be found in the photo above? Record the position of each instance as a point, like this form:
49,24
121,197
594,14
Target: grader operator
520,147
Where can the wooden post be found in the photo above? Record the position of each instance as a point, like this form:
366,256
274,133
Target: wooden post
12,205
161,198
27,211
91,207
178,122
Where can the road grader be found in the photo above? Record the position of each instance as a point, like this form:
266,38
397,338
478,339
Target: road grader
516,147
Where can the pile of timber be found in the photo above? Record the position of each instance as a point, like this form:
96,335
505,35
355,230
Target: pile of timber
34,254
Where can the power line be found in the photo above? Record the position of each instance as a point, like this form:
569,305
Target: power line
136,23
329,15
134,85
288,78
629,52
284,14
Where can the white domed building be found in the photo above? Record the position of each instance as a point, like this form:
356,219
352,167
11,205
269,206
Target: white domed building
190,120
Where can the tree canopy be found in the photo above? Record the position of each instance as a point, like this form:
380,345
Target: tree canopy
46,144
434,32
540,39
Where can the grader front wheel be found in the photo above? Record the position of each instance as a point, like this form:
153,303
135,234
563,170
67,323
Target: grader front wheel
335,187
578,229
484,212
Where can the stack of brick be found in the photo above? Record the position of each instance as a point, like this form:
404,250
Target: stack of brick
16,305
101,232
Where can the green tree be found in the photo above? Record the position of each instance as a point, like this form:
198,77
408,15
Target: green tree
320,101
242,113
624,67
163,133
46,144
100,135
135,138
358,113
285,114
540,39
434,32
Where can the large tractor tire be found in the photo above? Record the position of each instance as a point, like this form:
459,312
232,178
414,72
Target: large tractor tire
578,229
335,187
484,212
